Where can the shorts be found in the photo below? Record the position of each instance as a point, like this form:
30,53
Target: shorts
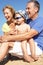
18,50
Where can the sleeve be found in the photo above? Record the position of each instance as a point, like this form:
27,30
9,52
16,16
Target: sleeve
5,28
38,26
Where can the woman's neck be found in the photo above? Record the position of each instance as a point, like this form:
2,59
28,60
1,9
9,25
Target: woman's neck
11,21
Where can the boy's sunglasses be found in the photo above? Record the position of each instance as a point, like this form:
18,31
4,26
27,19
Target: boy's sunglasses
18,17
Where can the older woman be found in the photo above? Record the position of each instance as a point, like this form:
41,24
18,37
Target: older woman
7,28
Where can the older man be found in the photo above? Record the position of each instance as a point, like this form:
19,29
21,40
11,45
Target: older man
36,24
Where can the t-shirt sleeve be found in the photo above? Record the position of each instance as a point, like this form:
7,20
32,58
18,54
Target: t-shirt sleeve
5,28
38,26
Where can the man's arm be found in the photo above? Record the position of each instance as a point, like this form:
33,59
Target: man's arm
20,37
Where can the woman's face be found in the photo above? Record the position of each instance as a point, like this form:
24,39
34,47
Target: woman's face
8,15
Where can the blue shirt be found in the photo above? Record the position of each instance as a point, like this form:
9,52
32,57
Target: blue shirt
37,24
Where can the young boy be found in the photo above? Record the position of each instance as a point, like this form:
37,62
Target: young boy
21,28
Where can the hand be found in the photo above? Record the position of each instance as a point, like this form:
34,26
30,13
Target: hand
4,38
13,32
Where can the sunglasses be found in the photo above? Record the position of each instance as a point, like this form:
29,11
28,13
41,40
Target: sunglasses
18,17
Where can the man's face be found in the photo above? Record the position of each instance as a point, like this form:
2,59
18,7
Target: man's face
31,10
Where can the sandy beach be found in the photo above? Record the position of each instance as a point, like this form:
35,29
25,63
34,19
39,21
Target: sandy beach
17,61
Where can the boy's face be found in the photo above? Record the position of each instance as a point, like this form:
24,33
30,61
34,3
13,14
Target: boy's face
19,19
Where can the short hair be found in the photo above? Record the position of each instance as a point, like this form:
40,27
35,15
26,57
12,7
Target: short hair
11,9
36,4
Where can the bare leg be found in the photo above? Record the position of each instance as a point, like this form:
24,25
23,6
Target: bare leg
25,54
33,49
3,50
11,44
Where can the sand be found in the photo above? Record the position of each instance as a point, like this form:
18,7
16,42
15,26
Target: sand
17,61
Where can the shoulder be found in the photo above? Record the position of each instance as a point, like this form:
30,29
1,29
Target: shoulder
5,25
40,18
39,21
27,25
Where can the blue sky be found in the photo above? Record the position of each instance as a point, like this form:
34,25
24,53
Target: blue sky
17,5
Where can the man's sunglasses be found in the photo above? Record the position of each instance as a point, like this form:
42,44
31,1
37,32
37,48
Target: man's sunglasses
18,17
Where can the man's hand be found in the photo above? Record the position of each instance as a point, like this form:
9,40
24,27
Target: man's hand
6,38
